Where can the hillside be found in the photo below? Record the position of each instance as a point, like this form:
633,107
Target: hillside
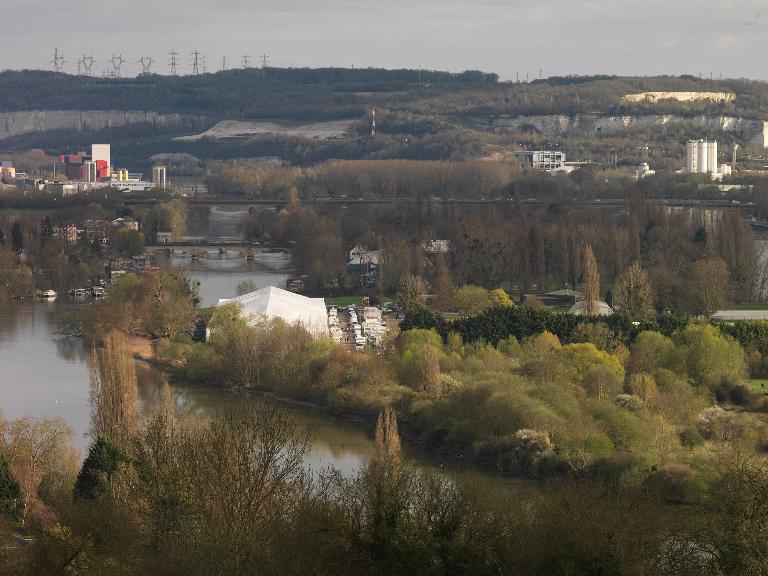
306,116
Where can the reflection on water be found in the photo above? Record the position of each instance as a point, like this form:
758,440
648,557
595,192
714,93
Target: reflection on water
42,374
335,442
45,375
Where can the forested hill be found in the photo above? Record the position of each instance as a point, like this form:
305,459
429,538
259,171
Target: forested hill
326,93
300,93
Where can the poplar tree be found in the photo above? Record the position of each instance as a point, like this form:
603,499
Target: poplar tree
591,282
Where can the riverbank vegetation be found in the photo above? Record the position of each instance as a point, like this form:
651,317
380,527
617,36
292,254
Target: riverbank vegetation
232,496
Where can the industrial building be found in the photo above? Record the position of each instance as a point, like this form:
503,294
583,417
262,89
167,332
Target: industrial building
93,167
548,160
701,158
272,302
159,178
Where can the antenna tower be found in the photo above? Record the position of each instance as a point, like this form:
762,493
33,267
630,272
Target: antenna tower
58,61
173,61
117,63
146,64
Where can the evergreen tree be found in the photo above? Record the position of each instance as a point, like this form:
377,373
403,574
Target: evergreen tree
17,237
2,237
96,475
46,230
11,502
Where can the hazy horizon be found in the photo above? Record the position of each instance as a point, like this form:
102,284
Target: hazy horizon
622,37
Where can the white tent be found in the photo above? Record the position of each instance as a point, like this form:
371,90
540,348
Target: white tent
273,302
580,309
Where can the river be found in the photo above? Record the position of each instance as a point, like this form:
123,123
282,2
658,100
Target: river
46,375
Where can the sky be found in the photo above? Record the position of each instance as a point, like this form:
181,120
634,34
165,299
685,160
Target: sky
513,38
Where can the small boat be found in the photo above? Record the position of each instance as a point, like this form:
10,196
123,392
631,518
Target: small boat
48,295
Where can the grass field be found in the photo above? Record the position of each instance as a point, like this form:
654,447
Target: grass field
759,385
353,300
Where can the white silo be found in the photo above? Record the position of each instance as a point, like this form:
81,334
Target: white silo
711,157
702,157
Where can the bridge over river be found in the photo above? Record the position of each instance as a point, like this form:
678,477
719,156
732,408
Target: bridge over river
336,201
199,247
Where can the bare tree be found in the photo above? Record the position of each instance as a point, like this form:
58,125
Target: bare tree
114,402
34,448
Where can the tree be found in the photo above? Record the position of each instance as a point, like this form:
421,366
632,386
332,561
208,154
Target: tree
472,300
17,236
707,286
635,293
410,292
95,477
114,402
442,285
33,449
130,242
46,230
591,282
387,436
500,298
11,502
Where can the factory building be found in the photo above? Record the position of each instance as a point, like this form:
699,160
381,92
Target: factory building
159,179
83,167
542,159
701,158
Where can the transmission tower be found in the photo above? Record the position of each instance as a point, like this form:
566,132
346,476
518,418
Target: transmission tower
195,63
264,61
80,67
203,64
223,63
146,64
246,61
58,61
173,60
117,63
88,61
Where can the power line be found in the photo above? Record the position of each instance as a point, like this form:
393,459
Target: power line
173,60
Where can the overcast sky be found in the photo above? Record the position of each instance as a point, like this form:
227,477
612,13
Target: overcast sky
644,37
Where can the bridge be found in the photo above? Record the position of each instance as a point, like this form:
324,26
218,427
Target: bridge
338,201
198,248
